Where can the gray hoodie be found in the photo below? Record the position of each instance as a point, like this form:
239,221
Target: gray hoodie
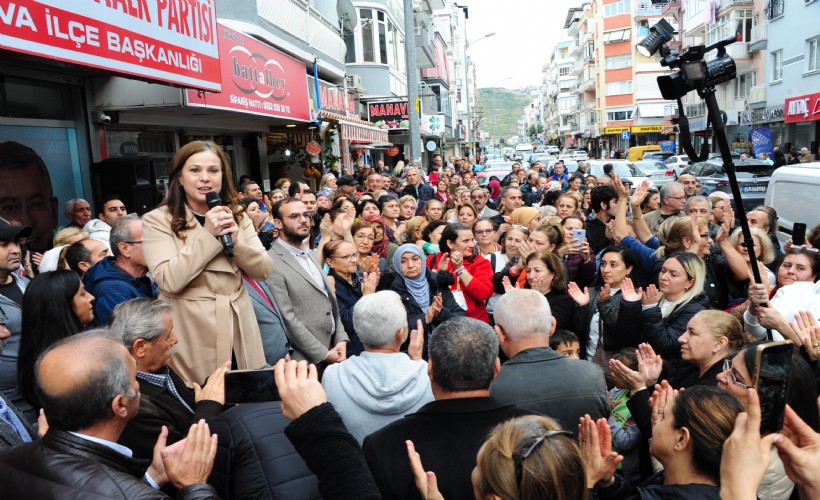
372,390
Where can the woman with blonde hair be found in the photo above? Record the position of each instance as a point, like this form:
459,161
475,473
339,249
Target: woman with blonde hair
407,206
413,230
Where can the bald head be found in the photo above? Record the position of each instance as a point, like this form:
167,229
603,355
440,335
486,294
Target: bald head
78,377
690,184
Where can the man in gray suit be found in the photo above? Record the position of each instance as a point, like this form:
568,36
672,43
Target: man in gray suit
306,299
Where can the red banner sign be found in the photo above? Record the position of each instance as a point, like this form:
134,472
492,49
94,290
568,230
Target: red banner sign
804,108
256,78
167,40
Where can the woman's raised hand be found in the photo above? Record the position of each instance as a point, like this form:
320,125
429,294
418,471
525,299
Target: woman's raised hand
580,297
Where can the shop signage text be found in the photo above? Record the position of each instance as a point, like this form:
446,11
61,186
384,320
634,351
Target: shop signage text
646,129
774,113
332,98
167,40
389,115
615,130
803,108
256,78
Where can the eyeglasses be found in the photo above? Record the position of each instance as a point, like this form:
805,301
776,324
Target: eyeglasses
352,256
133,242
522,452
727,367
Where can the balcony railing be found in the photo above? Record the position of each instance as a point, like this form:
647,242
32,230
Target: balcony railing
646,9
725,4
757,40
302,21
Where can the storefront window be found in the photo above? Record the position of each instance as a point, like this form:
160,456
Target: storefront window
37,99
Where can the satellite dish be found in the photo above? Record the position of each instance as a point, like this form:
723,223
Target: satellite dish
347,15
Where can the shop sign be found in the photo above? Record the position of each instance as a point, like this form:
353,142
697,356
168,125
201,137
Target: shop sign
615,130
774,113
331,98
647,129
803,108
389,115
257,79
168,40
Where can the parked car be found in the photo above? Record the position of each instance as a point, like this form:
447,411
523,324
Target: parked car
657,171
553,150
791,191
677,163
752,176
636,152
499,170
544,157
625,169
580,155
656,155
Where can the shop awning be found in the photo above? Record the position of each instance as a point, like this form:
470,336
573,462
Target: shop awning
356,130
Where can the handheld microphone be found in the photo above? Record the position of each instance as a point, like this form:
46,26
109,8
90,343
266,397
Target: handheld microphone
212,199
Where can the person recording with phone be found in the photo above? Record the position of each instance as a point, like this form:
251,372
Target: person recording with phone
212,311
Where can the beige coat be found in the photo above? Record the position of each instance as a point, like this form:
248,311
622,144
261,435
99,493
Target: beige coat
213,315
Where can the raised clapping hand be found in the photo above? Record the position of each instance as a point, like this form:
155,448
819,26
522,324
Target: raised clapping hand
628,291
415,349
808,331
435,308
651,296
605,293
370,281
649,363
298,386
640,194
580,297
214,389
444,262
595,442
457,259
190,461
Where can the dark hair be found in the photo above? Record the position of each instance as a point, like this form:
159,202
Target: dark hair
88,401
608,168
630,259
336,208
294,189
48,316
813,238
812,254
802,390
244,186
709,414
175,200
463,353
383,199
308,191
364,203
562,337
450,234
550,197
76,253
276,209
107,198
602,195
555,265
245,202
645,202
571,217
627,356
429,228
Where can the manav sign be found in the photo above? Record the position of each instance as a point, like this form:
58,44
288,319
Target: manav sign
167,40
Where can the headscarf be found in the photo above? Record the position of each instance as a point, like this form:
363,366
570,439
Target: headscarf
418,286
522,216
495,189
380,247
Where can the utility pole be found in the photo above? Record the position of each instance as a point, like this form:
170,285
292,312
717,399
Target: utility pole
412,82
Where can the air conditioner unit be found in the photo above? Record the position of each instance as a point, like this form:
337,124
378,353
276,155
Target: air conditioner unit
354,84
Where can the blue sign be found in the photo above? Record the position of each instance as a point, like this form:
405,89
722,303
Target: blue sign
667,146
762,141
626,135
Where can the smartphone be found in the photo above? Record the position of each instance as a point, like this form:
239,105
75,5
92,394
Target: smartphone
799,233
772,370
580,235
250,386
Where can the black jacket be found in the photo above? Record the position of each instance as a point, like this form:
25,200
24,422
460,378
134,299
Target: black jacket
654,489
617,323
662,333
347,295
447,434
596,235
255,459
63,466
333,454
439,283
159,407
424,194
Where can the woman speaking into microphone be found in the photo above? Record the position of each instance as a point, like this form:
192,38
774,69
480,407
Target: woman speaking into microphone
213,314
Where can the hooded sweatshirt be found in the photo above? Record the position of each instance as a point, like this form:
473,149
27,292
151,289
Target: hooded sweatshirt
110,286
372,390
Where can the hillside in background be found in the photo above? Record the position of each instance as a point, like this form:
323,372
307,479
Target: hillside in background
508,105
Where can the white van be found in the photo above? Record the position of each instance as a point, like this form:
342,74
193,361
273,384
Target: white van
523,150
793,191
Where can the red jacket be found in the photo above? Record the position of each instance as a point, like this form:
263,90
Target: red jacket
480,288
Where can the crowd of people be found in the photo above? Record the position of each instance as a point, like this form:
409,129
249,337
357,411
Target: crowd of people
429,336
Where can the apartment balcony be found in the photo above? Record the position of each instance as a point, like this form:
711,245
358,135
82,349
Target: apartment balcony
566,128
725,4
757,41
670,111
649,9
757,96
290,16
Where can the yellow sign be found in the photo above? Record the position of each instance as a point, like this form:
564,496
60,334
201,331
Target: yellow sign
646,129
615,130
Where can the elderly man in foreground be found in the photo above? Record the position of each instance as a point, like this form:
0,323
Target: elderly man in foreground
88,404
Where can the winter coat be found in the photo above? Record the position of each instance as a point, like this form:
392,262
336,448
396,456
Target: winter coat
110,286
